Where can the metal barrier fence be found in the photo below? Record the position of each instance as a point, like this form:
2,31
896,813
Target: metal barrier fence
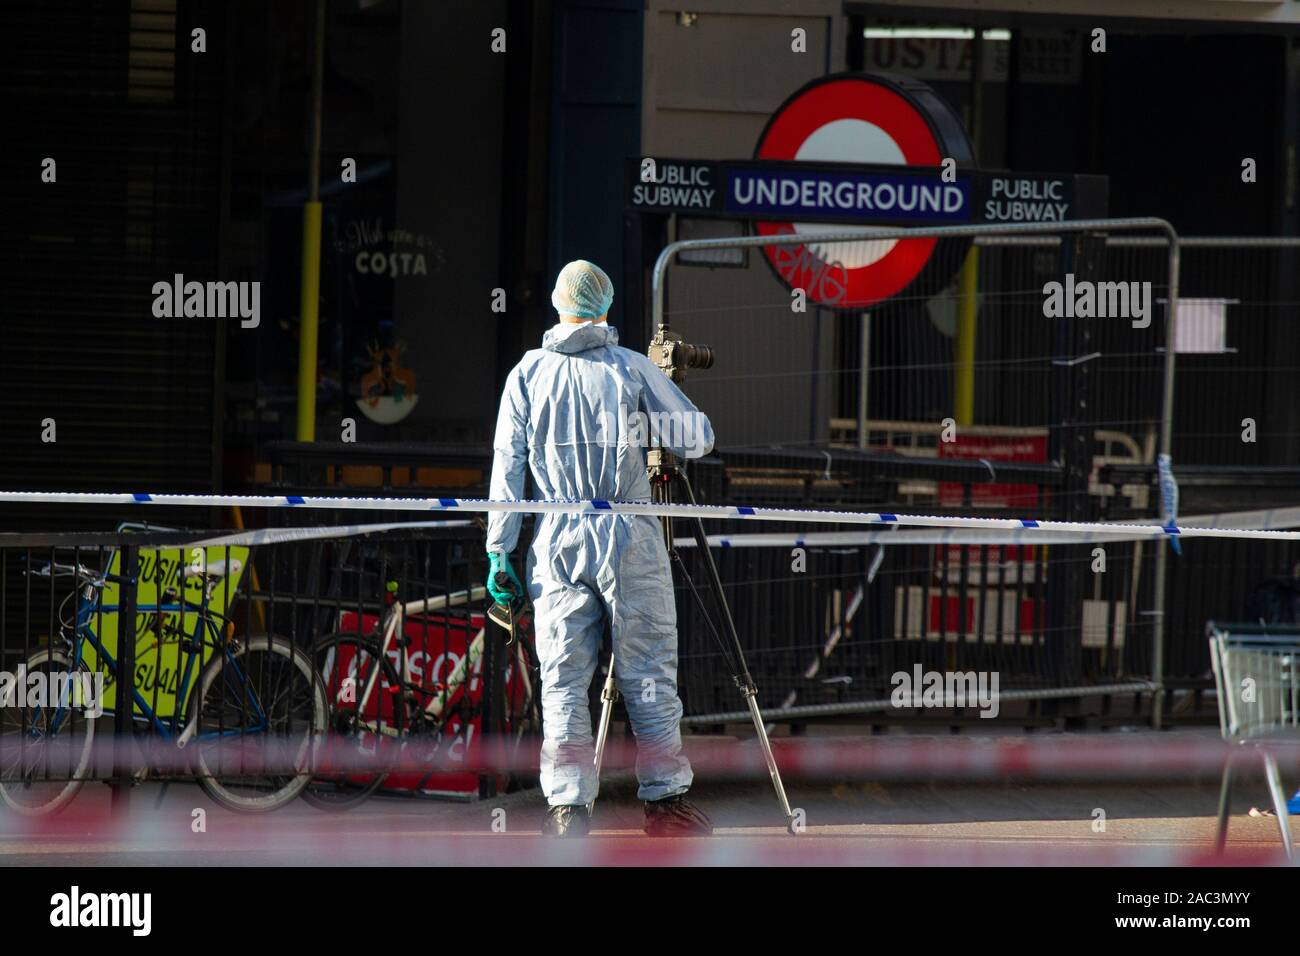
1085,398
1238,352
217,641
828,626
901,361
1075,380
168,617
1221,579
825,629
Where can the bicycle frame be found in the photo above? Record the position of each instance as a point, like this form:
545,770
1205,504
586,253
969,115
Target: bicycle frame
392,624
207,632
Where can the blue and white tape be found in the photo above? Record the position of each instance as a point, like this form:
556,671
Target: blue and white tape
918,536
1102,533
1030,528
320,532
1168,496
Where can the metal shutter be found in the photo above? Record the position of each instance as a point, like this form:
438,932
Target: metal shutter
111,91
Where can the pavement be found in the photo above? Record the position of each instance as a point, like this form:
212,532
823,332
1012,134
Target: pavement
848,820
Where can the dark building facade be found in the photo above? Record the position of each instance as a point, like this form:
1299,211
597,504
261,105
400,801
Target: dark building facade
480,170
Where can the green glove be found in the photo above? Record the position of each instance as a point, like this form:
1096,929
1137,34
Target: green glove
502,583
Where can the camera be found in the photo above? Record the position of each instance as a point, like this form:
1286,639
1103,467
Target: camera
674,355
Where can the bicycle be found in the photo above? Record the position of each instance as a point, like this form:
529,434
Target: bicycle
256,689
377,700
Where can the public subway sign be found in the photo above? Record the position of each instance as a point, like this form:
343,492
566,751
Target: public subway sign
845,193
795,191
859,150
1039,197
859,194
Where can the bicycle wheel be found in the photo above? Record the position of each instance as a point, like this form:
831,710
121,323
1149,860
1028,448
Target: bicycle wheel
259,714
45,749
349,766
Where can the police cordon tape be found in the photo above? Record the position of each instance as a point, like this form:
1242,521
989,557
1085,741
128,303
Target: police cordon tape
829,539
895,535
898,536
1105,532
285,535
1029,528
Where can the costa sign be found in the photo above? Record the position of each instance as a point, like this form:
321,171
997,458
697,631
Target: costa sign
861,119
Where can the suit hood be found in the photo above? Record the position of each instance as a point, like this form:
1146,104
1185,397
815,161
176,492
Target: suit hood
570,338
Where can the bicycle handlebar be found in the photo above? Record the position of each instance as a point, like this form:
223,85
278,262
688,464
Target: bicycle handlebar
89,575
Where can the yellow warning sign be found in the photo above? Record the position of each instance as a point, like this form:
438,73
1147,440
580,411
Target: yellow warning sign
167,639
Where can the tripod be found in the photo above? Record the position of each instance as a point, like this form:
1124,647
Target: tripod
665,475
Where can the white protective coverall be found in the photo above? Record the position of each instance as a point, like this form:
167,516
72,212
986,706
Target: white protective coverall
577,413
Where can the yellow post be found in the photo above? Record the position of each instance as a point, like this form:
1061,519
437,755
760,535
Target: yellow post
309,311
309,298
964,370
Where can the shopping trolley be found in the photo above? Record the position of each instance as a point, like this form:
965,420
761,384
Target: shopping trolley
1257,673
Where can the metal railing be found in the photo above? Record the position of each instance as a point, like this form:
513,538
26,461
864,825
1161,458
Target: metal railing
214,640
1011,233
387,467
828,625
824,640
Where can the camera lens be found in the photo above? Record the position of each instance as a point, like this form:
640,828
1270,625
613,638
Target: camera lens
698,356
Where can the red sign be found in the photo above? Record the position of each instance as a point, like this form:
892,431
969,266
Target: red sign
437,649
991,563
1019,617
988,563
857,119
993,449
987,614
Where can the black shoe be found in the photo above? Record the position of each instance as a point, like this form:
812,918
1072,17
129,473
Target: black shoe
674,817
566,821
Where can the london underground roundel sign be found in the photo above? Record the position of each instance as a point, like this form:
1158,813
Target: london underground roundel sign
859,118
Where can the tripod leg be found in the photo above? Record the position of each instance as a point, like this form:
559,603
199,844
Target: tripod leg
751,698
662,494
743,679
608,694
1279,802
1225,799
